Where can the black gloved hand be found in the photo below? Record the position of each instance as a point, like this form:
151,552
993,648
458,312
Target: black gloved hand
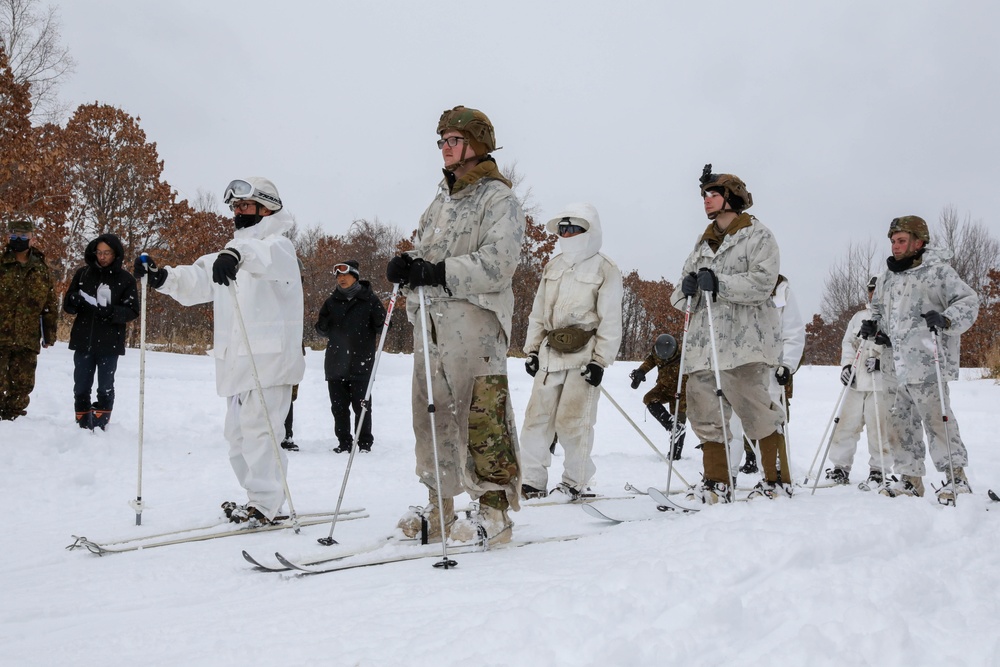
868,329
78,303
782,375
873,364
593,374
105,313
708,282
845,376
882,339
398,269
638,377
156,277
423,272
689,285
935,320
226,265
531,364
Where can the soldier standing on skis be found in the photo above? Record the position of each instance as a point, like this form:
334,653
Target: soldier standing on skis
921,305
734,265
467,246
258,269
861,408
665,358
574,332
29,313
103,297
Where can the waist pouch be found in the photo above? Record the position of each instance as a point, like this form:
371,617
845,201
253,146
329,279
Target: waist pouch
569,339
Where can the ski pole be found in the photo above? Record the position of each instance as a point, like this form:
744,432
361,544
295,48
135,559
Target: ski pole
328,540
445,562
876,388
718,392
638,430
263,406
836,418
677,396
137,503
944,414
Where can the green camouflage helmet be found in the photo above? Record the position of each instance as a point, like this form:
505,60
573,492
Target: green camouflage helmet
20,225
912,224
734,190
472,123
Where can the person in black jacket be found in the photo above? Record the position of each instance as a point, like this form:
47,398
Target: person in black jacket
351,318
104,299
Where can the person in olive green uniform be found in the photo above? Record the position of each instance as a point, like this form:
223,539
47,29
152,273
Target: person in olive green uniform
28,317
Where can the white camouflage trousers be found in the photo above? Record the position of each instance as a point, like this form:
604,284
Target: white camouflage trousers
859,414
916,411
562,403
251,450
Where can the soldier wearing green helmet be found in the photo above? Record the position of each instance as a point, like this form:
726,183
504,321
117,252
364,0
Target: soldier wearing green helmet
920,308
467,246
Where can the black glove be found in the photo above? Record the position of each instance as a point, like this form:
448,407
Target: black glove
156,277
935,320
638,377
226,265
80,304
868,329
689,285
782,375
845,376
708,282
593,374
531,364
882,339
423,272
398,269
873,364
105,313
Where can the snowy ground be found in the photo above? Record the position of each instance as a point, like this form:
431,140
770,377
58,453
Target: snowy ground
838,578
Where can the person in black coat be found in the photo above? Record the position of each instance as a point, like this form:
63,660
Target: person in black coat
103,297
351,318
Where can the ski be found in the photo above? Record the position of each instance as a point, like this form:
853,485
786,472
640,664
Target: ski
580,500
326,558
665,504
184,536
599,515
425,551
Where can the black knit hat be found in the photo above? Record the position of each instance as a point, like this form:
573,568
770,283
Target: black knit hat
352,265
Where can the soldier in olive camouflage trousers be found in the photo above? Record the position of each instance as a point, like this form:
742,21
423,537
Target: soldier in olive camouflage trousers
918,293
28,317
467,246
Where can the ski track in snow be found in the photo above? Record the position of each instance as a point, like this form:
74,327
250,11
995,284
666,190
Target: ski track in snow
841,577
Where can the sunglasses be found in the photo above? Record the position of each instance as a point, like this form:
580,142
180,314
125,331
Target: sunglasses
20,237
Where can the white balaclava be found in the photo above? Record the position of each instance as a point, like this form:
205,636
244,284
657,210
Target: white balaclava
575,249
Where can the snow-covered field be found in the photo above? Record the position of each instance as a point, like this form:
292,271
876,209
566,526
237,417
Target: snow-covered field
837,578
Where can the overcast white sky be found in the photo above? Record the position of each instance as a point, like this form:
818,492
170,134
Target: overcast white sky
839,115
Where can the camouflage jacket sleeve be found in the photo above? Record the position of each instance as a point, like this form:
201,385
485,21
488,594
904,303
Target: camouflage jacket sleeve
647,365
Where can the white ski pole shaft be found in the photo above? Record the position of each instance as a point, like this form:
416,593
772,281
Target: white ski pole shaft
677,395
834,416
718,392
944,414
263,405
669,461
361,418
876,388
137,503
445,562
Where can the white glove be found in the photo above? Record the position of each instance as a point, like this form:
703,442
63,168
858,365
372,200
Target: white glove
89,299
103,295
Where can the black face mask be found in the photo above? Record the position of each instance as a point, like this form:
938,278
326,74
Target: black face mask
19,245
897,265
243,220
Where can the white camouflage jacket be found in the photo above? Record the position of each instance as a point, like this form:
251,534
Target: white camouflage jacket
746,323
269,289
900,299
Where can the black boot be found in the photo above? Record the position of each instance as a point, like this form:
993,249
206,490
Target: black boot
101,416
750,467
84,412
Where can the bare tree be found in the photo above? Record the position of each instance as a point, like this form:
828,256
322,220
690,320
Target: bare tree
30,36
525,200
845,288
975,250
205,201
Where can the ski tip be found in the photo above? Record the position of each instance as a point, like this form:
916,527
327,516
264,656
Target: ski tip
993,496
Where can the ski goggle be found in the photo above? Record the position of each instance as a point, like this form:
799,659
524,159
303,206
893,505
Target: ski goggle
240,189
565,229
20,237
341,269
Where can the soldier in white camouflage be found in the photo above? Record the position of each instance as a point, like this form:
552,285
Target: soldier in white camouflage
921,293
735,263
467,246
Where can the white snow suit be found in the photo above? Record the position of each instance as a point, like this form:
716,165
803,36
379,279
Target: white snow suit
580,288
899,300
269,292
